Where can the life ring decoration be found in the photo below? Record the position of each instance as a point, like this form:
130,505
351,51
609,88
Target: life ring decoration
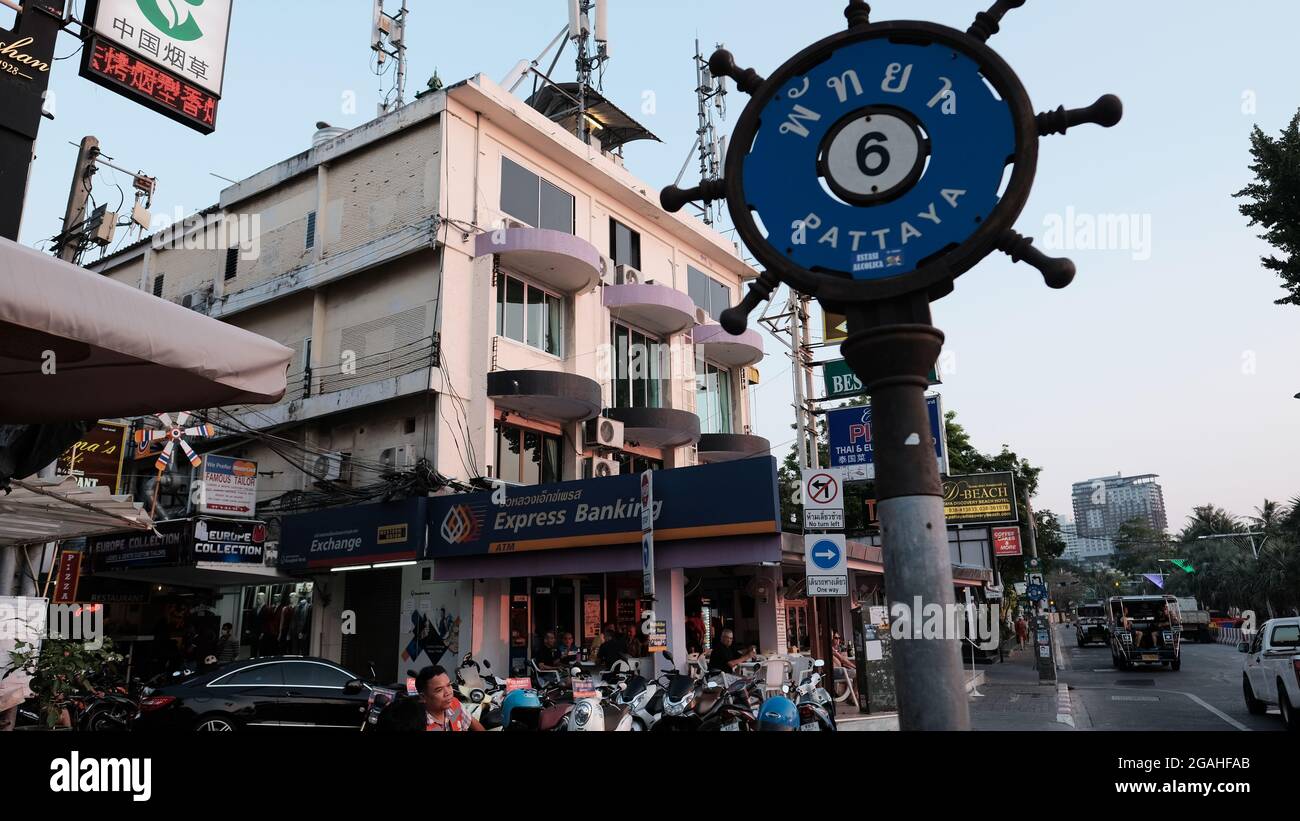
884,160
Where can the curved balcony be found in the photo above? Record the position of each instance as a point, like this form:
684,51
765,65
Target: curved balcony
725,349
656,308
562,261
657,427
551,395
728,447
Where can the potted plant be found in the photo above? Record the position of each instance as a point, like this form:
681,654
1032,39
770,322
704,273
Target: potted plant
58,671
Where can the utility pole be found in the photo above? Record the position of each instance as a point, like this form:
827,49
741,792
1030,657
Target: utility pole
69,242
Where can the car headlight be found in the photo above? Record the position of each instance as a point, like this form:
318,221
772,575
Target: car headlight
582,713
674,708
640,700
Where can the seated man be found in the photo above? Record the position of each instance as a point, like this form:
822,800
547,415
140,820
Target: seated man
727,658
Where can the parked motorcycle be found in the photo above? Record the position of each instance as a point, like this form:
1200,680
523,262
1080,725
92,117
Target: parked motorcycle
815,703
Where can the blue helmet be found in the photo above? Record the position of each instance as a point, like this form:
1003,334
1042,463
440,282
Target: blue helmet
778,714
518,698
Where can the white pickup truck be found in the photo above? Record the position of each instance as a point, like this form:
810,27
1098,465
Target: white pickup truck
1272,670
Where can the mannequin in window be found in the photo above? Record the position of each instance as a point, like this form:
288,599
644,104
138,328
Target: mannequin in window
270,630
284,622
301,623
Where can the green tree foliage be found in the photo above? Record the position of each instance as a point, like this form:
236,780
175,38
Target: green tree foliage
1275,202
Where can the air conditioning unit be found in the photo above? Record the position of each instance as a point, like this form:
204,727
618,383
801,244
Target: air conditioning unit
401,457
629,275
603,433
702,317
602,467
607,271
329,466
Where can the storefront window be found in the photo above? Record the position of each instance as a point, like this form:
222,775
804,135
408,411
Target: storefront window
713,397
527,457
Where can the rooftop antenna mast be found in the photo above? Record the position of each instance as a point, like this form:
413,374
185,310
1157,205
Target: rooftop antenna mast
590,63
388,39
711,93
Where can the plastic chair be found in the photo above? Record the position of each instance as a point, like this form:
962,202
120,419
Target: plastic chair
776,674
850,691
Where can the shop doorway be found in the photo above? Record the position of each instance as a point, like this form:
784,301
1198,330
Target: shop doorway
375,597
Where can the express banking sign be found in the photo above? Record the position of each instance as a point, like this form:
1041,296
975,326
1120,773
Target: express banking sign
727,499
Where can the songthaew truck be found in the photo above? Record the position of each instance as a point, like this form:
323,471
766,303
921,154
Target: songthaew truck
1144,630
1090,623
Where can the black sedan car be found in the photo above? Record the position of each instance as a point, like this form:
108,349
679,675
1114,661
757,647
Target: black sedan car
273,692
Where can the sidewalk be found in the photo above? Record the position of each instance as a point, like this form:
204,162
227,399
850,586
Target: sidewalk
1014,700
850,720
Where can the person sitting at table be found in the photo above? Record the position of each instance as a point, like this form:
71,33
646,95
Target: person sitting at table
567,647
547,656
727,658
841,658
612,649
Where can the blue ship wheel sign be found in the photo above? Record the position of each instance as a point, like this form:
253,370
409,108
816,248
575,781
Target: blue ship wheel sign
825,554
884,160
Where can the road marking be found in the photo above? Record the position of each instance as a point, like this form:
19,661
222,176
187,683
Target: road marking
1216,711
1134,698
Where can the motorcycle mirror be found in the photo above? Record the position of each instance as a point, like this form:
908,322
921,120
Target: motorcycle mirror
785,688
669,657
487,665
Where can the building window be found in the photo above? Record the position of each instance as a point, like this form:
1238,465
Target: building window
707,292
624,247
528,314
635,465
713,397
527,457
232,263
532,200
641,371
311,230
158,285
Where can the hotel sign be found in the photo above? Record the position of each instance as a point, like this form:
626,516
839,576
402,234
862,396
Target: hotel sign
167,55
980,499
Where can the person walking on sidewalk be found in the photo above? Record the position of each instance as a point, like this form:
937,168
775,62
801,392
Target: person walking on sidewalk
1022,632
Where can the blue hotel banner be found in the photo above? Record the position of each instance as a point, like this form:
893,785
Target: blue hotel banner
359,534
726,499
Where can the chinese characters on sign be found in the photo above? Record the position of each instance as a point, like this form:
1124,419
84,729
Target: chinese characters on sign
118,69
187,39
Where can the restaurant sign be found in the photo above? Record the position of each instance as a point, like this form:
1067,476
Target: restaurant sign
96,458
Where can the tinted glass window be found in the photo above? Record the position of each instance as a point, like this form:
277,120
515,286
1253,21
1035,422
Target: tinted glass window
306,674
711,295
557,209
519,192
624,245
262,674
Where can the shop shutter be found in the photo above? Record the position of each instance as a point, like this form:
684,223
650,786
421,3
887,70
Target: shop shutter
375,597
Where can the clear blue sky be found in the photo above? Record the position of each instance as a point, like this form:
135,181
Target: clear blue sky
1178,364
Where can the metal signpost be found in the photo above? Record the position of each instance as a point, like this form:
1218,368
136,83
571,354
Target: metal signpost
874,161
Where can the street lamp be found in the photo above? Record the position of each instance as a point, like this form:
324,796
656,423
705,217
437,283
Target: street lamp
1251,536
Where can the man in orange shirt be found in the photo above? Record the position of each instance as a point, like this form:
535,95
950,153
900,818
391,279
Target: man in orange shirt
443,711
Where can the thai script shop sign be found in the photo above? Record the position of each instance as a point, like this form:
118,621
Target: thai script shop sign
726,499
980,498
168,55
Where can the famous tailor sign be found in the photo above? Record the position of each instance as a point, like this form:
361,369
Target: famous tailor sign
725,499
228,486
